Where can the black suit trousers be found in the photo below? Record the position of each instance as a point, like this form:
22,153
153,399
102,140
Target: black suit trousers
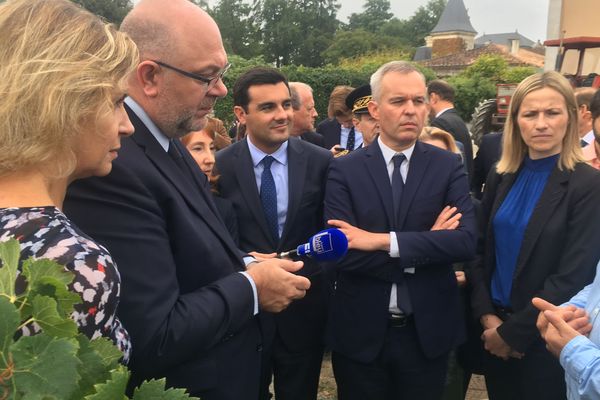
400,372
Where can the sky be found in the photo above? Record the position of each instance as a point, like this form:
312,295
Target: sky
529,17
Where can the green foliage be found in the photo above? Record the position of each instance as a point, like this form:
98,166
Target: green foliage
487,66
112,10
59,362
349,44
375,14
517,74
238,28
414,30
469,91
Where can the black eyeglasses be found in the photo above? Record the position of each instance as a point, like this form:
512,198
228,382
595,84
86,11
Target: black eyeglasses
210,82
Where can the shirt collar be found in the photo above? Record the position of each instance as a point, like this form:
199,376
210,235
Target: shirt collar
160,137
388,153
280,155
588,137
443,111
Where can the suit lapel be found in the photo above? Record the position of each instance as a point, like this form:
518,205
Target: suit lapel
553,192
375,164
198,200
247,183
296,177
419,162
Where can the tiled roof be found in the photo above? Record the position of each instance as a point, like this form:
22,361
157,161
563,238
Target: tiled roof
504,39
464,59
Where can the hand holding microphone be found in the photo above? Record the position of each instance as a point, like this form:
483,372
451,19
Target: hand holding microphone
328,245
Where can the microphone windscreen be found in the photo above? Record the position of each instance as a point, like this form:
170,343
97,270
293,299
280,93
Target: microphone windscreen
328,245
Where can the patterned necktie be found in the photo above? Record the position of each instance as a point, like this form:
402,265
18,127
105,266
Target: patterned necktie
402,296
397,185
351,138
268,197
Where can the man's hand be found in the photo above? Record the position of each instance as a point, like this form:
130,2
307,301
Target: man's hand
448,219
262,256
558,332
359,239
276,285
494,343
577,318
461,278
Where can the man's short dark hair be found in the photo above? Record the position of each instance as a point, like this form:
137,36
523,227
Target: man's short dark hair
595,105
442,89
253,77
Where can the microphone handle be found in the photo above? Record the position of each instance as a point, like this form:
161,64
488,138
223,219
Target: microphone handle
288,253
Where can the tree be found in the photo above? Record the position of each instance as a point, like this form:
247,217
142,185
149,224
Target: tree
375,14
113,10
288,25
239,32
414,30
349,44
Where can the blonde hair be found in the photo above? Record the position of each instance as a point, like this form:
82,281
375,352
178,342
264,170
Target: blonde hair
60,67
337,102
433,133
514,148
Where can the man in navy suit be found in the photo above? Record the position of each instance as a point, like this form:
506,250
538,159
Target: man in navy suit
444,116
293,344
305,114
187,299
395,312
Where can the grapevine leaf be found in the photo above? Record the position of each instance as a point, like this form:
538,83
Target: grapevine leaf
109,353
112,389
10,251
45,367
45,313
94,367
48,278
155,390
9,323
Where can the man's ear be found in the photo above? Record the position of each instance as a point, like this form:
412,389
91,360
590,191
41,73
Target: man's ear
373,109
240,113
150,78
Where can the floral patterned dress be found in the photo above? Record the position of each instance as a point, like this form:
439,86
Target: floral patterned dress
45,232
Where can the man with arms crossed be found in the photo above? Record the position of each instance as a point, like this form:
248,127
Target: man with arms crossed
395,312
187,300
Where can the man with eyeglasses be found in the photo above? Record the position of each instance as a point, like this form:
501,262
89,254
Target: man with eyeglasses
188,300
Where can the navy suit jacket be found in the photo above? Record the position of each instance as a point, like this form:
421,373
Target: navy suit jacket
488,154
301,325
188,311
331,131
314,138
359,192
452,123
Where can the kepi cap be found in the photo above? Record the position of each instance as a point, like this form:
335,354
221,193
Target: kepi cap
358,99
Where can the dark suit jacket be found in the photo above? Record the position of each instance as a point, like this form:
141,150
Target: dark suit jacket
359,192
301,325
188,311
559,252
314,138
451,122
487,155
331,131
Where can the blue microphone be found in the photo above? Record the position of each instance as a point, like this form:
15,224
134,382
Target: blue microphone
328,245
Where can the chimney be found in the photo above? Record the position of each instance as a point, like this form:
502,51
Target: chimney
514,46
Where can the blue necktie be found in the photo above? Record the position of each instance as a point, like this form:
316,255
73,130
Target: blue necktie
268,197
351,139
403,298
